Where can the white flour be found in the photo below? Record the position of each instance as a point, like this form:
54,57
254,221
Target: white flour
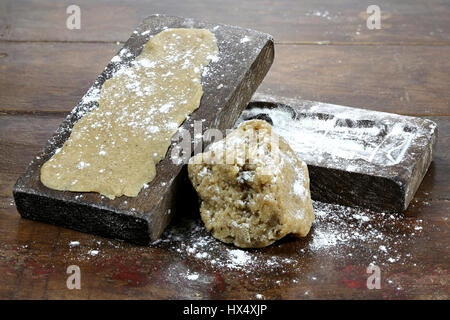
337,229
337,139
191,239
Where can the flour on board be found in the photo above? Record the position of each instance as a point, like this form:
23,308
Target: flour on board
114,148
343,138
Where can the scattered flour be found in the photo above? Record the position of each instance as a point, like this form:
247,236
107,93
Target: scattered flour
345,138
238,258
192,277
338,230
339,139
244,39
93,252
190,238
74,244
336,226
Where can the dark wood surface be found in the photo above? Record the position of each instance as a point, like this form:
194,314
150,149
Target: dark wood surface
324,52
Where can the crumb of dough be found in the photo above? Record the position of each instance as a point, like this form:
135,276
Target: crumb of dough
254,190
114,148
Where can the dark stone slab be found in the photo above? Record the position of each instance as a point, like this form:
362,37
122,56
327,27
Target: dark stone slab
228,87
355,157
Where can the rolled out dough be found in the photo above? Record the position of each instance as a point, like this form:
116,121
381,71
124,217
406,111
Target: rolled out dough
254,189
113,149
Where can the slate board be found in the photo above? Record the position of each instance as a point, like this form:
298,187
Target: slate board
245,56
359,157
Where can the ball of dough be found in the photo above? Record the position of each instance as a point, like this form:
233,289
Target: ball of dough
254,190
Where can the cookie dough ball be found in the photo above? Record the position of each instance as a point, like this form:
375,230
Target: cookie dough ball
254,189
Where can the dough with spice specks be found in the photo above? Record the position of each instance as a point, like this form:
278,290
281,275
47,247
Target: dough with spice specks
114,148
253,188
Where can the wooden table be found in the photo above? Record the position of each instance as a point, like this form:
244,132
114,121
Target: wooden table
324,52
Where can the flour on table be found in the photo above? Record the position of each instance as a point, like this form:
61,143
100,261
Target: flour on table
113,149
337,230
74,243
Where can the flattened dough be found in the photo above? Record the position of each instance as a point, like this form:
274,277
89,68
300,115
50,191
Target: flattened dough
113,149
254,189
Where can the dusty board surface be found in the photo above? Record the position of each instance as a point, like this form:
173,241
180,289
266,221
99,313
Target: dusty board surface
34,256
244,58
355,157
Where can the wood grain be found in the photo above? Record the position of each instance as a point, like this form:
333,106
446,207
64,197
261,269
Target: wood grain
34,266
410,22
400,79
